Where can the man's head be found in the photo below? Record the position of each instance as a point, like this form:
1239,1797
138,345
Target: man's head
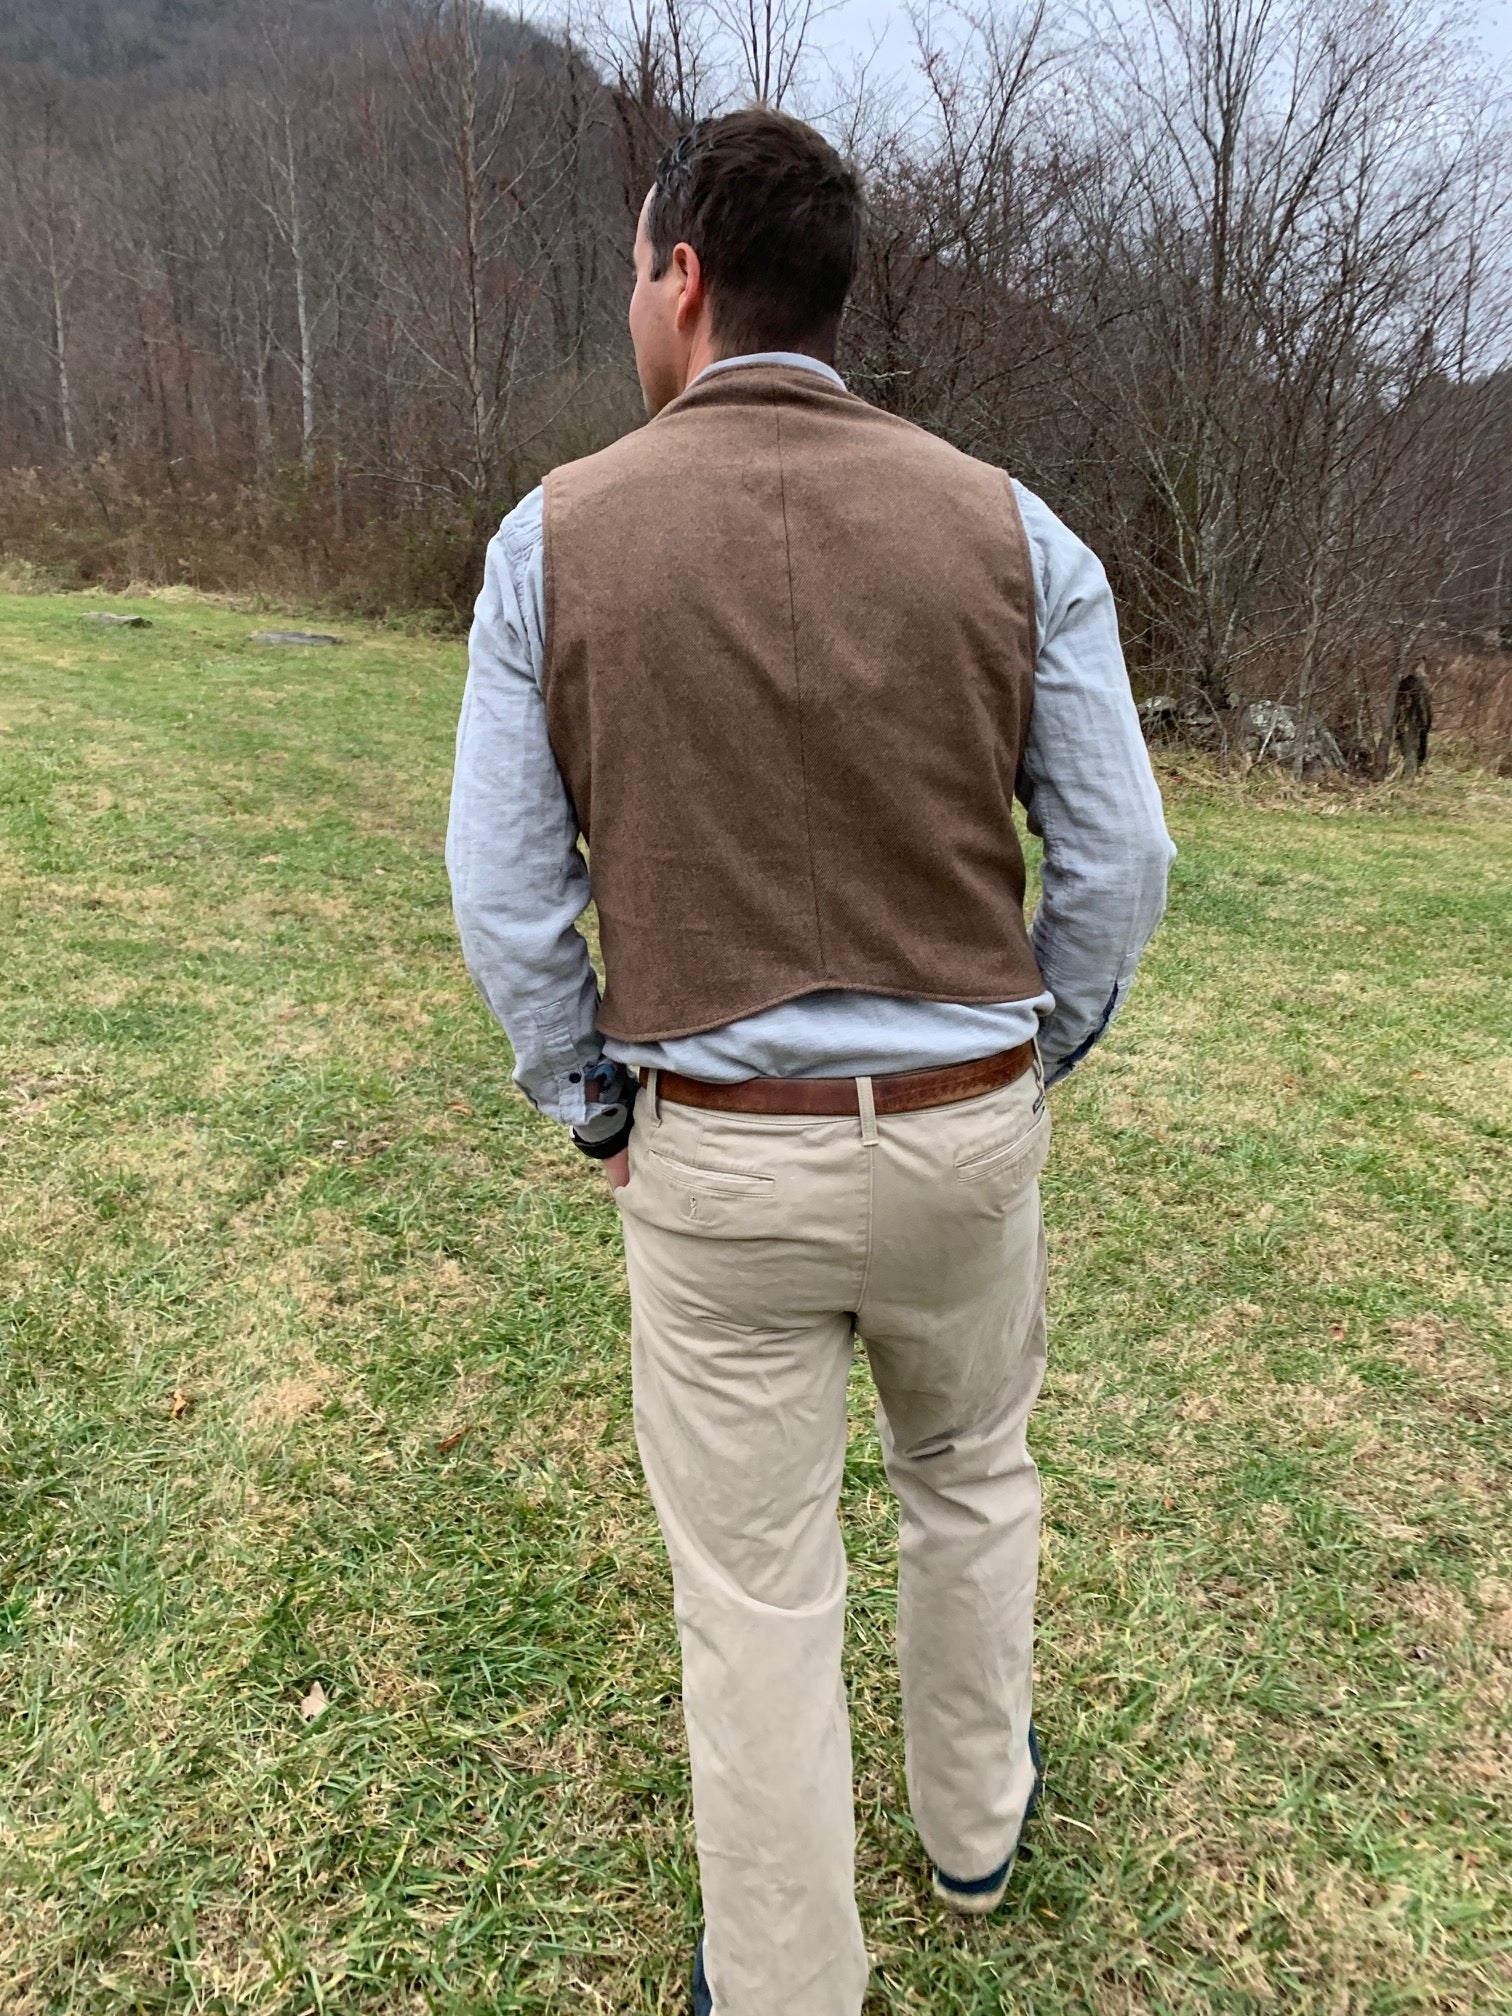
748,240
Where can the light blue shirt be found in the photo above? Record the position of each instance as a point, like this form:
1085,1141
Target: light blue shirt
519,881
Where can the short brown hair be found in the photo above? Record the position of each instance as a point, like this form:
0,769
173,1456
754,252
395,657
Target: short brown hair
774,214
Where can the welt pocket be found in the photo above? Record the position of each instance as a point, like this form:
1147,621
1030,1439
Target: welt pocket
1024,1154
713,1182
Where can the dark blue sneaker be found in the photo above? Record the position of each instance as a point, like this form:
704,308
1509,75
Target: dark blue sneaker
703,2001
982,1893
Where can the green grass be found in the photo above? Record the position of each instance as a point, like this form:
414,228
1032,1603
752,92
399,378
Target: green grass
275,1233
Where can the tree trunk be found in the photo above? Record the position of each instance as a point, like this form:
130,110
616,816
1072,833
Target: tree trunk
301,308
60,349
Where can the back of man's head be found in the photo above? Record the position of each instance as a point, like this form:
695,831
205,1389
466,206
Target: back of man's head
774,214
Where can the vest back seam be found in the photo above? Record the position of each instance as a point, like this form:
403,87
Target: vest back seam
808,821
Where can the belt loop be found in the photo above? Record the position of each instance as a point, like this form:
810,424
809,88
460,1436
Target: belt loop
868,1104
653,1086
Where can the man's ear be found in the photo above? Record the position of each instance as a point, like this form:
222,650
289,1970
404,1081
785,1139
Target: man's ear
691,297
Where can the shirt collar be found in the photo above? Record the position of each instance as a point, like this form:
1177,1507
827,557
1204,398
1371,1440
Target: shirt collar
794,357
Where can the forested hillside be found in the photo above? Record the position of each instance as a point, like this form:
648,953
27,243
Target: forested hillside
158,42
303,296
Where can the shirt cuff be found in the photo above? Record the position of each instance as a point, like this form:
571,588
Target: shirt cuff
561,1074
1061,1066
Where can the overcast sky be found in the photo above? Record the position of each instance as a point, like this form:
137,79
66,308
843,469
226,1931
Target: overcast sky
854,25
1495,22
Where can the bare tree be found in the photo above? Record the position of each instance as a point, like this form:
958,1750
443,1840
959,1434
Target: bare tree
770,40
447,270
1226,280
46,198
657,57
1278,229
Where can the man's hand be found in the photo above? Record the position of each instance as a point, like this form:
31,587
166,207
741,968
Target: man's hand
611,1124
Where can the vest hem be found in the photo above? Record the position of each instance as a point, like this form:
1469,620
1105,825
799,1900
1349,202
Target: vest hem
953,998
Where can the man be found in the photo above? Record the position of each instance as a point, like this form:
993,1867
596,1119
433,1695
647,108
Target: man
783,659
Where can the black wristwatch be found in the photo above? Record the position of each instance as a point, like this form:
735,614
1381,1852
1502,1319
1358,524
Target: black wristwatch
615,1086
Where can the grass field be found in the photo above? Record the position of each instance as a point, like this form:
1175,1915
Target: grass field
314,1371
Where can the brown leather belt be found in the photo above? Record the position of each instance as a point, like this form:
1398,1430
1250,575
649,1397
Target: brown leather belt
898,1092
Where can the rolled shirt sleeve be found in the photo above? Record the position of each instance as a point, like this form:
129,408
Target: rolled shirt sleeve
519,882
1089,792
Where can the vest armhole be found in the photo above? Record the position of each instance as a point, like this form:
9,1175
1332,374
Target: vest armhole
1031,621
1026,561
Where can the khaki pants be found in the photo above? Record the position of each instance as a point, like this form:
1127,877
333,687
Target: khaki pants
757,1249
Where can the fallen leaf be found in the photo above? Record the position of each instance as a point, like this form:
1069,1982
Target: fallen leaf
314,1703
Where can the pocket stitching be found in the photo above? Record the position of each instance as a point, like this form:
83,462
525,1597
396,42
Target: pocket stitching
728,1182
992,1161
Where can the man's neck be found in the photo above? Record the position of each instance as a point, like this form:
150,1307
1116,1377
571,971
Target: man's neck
701,355
705,351
802,360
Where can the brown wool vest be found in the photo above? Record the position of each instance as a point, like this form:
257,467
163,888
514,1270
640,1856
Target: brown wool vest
789,666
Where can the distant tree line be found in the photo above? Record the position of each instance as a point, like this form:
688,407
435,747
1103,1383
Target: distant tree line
302,294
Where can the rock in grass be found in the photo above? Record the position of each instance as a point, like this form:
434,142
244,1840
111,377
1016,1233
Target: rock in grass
1266,728
126,622
295,637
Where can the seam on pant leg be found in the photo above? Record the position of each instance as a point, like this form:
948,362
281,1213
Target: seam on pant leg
871,1230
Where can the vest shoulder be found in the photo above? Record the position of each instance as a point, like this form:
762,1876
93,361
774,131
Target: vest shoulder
927,458
934,448
682,436
624,461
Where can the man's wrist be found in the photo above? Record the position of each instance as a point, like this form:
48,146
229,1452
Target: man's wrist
608,1131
